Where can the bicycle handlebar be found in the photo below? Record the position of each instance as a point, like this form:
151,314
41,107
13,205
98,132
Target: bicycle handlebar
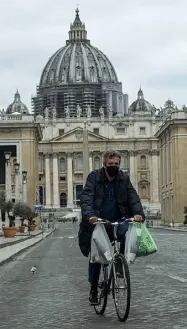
106,221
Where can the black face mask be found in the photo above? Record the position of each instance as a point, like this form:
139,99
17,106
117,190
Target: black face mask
112,170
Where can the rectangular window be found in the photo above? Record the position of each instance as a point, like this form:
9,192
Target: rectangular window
142,131
61,132
122,131
62,178
96,131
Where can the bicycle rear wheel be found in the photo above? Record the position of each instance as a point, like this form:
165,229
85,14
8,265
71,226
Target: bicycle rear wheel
102,291
121,288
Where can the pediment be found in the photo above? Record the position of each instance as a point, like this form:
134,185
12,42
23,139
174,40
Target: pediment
76,135
121,125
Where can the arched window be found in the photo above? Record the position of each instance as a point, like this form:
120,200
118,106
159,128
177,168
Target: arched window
143,161
62,165
144,192
79,162
96,162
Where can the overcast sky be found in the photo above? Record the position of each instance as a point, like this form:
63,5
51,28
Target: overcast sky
146,41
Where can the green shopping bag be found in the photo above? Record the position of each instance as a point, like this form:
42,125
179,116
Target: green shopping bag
147,246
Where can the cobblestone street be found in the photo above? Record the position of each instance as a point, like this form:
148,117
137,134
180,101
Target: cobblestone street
56,296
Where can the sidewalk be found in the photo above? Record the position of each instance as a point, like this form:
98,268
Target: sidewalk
20,237
15,246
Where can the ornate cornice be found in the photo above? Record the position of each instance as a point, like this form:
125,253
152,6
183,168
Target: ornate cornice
154,152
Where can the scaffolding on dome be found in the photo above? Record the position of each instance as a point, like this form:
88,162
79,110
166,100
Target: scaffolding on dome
61,97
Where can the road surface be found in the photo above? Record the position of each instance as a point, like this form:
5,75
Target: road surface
56,296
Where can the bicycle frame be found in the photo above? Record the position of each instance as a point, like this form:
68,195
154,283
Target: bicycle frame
110,283
116,245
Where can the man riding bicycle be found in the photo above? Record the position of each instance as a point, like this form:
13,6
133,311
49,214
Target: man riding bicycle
109,194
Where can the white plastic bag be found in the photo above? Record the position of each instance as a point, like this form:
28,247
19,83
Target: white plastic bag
101,248
132,242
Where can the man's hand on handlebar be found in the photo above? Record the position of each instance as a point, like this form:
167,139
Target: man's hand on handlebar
138,218
92,220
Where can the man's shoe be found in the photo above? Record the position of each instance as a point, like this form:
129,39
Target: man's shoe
93,298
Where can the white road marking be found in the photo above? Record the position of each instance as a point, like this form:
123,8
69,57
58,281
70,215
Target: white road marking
152,267
166,234
174,277
65,237
178,278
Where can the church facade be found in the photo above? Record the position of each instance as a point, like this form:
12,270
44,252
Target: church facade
79,84
61,154
79,88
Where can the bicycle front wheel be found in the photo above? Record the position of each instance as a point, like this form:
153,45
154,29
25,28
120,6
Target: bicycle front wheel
102,291
121,288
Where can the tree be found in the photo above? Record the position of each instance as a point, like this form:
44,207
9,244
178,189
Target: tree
22,210
6,207
2,204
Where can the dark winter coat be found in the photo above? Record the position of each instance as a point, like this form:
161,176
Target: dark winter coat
92,198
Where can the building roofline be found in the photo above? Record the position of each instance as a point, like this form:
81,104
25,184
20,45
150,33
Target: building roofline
168,123
23,125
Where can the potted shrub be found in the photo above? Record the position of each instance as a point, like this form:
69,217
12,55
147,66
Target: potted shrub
10,231
32,222
21,210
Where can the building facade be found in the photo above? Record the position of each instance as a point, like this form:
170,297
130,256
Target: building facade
19,138
79,87
61,153
172,135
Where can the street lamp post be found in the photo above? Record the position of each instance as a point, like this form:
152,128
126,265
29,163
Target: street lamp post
8,188
24,180
85,154
17,190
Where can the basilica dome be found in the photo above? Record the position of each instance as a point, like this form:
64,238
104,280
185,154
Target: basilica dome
78,75
78,61
141,105
17,107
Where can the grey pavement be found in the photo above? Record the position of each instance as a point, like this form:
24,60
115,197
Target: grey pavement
11,247
56,296
18,238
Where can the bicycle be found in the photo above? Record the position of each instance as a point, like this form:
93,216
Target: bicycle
119,270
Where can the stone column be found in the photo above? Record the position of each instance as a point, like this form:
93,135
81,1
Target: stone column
85,154
154,176
24,186
56,197
70,181
47,181
110,99
8,187
90,162
17,186
74,195
25,192
133,172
